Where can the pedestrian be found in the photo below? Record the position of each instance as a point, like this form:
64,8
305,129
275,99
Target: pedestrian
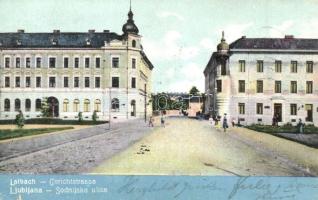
162,121
233,122
150,121
300,126
225,125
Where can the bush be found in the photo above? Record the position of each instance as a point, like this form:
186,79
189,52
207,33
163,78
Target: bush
80,117
94,116
19,119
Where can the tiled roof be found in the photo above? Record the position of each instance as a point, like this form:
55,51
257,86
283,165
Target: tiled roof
56,39
287,43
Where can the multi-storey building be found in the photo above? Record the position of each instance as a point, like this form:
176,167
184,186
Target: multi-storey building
256,80
77,72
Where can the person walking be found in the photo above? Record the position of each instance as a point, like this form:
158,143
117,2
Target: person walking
162,121
150,121
225,125
300,126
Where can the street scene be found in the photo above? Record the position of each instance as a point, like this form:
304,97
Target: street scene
163,92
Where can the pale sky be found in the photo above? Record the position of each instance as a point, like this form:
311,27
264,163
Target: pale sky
179,36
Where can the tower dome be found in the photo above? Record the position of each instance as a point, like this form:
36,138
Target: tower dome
129,26
223,47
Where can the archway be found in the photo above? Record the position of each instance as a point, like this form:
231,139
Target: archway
53,104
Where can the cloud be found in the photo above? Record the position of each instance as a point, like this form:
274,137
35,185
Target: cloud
234,31
167,14
170,47
280,30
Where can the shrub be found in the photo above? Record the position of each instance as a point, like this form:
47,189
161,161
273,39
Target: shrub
19,119
80,116
94,116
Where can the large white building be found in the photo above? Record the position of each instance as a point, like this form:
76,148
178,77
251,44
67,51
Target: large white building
256,79
77,72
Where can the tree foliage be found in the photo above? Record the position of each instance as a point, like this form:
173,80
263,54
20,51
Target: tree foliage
194,91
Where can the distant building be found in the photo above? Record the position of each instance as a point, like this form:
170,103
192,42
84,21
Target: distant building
258,80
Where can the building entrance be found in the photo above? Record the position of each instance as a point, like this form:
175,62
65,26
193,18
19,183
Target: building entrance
277,112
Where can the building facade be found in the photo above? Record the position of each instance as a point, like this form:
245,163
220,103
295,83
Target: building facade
258,80
75,72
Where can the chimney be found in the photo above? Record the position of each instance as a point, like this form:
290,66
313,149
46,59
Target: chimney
20,30
106,31
289,37
56,31
243,37
91,30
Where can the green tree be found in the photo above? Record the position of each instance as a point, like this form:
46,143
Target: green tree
80,116
94,116
19,119
194,91
45,108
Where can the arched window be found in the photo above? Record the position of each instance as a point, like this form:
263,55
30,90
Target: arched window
76,105
86,105
27,105
97,105
133,43
17,105
133,108
7,105
38,105
65,105
115,105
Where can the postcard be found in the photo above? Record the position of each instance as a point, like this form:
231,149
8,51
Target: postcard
138,99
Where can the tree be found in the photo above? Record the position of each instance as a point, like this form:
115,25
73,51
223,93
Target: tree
19,119
45,107
194,91
94,116
80,116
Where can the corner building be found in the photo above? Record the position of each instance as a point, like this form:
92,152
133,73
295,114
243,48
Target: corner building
77,72
255,79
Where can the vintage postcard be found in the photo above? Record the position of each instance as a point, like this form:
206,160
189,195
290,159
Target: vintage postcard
161,99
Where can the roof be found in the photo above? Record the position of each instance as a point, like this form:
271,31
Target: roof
287,43
62,39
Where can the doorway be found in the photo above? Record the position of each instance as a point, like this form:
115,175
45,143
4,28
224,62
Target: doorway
278,112
309,110
53,104
133,108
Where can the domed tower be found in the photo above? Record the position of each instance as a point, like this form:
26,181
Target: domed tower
223,48
130,26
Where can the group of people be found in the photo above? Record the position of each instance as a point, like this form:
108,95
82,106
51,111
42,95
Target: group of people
151,121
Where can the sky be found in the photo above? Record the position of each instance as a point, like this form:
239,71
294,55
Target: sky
178,36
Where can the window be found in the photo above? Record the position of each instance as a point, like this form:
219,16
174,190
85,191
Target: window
7,62
52,82
241,108
97,62
86,82
278,86
133,43
86,105
27,81
76,105
17,105
86,62
293,86
241,86
65,105
97,105
259,86
260,66
17,81
97,82
115,82
76,82
293,67
52,62
17,62
27,105
38,82
38,62
293,109
133,82
259,108
38,105
309,85
278,66
65,62
65,82
7,81
241,65
219,85
6,105
115,62
309,67
133,63
76,62
115,105
28,62
223,68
